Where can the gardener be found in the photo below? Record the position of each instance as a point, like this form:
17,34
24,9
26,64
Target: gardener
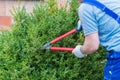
100,28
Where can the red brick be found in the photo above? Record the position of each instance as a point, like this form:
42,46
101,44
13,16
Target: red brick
5,22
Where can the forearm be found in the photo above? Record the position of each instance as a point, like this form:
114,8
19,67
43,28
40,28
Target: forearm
88,49
91,44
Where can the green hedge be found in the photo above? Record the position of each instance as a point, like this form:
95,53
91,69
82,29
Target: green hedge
21,54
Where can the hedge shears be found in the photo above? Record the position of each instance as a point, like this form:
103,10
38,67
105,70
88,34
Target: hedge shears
48,45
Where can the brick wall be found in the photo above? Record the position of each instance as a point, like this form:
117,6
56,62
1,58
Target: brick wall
6,7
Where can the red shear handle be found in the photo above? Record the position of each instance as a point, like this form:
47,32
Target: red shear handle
61,49
63,36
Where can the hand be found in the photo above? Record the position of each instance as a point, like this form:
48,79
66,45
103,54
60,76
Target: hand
79,26
77,52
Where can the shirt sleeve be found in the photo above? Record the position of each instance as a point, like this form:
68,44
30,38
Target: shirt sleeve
87,17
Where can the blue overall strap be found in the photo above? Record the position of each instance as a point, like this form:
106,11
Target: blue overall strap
103,8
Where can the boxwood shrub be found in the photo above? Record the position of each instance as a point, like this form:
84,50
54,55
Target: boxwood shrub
22,56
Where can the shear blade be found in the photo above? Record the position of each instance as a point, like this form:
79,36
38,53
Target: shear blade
47,46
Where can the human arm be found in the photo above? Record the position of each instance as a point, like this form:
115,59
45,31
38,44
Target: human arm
91,43
90,28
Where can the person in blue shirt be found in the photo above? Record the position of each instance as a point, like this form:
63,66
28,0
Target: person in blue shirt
101,29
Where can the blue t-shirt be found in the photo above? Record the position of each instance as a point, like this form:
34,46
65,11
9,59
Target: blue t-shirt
95,20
